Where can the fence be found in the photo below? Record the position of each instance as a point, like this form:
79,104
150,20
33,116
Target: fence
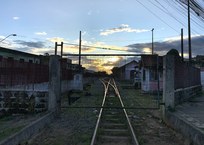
24,85
13,72
186,75
181,80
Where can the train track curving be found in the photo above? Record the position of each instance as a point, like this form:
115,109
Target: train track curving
113,126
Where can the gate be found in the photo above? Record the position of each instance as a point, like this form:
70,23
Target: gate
139,77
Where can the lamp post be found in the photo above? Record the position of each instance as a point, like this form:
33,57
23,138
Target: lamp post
152,41
7,37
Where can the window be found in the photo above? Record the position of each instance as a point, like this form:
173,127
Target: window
10,58
21,60
144,75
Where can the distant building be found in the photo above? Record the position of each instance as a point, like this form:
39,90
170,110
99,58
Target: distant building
127,71
11,54
19,68
149,72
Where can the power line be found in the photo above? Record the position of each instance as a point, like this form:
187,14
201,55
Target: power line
182,11
156,15
97,47
166,11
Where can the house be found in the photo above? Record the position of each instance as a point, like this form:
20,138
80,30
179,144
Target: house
20,68
127,71
151,70
11,54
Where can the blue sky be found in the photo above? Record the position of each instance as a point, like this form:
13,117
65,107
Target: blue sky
106,23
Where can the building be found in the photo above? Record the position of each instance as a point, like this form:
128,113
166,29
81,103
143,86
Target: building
21,68
127,71
151,70
11,54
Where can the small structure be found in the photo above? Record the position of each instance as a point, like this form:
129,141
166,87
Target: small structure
127,71
151,73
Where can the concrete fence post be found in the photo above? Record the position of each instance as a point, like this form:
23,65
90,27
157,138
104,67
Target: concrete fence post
168,82
54,100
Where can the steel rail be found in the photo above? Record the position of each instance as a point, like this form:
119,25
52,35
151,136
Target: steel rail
156,108
134,138
125,54
100,113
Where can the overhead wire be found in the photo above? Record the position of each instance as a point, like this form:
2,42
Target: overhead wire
156,16
97,47
184,8
201,26
166,12
182,11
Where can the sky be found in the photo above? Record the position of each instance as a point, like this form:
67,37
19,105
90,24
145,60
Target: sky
120,26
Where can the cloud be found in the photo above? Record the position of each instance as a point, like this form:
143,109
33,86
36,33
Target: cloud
101,63
197,42
38,44
122,28
56,39
16,18
90,12
178,38
41,33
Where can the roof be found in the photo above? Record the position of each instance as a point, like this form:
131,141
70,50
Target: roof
133,61
2,49
151,60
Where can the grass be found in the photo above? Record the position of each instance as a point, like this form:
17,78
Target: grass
134,98
75,125
9,131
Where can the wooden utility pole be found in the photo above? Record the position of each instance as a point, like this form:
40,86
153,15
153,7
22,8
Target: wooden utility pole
152,41
182,44
189,32
79,48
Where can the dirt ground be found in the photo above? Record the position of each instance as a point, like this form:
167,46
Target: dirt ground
151,130
75,126
72,129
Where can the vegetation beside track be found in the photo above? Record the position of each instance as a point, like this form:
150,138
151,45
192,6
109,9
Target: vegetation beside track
75,125
147,123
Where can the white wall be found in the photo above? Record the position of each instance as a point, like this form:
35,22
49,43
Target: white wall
145,83
128,69
202,77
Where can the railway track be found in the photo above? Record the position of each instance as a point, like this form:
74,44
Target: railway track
113,126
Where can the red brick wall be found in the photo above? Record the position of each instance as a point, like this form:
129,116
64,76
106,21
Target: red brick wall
13,72
186,75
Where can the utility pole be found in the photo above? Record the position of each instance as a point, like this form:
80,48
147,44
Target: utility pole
182,44
56,45
79,48
189,32
152,41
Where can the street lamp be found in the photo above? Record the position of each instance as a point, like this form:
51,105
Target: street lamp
152,41
7,37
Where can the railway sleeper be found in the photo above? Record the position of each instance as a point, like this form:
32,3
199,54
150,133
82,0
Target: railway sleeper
114,132
114,125
114,140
